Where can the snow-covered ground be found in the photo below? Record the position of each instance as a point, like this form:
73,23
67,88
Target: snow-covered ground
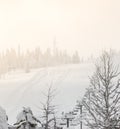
20,89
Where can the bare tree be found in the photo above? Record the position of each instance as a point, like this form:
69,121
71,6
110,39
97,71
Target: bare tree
48,109
102,98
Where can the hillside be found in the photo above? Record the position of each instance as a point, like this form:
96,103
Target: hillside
20,89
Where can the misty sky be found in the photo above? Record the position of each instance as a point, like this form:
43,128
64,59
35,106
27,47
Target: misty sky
88,26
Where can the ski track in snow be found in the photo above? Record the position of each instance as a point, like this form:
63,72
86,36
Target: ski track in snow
70,82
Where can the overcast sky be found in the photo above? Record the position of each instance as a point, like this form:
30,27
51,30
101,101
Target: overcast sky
88,26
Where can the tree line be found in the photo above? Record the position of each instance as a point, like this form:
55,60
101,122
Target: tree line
12,59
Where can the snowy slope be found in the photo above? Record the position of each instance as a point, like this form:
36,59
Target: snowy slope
26,89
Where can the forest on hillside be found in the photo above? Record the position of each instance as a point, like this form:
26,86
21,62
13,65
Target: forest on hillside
11,59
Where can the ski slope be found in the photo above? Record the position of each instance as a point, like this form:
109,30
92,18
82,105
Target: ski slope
19,89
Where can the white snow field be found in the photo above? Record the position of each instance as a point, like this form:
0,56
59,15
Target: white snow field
19,89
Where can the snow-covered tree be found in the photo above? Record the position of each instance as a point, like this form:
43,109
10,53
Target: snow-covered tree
76,58
3,119
102,98
26,120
